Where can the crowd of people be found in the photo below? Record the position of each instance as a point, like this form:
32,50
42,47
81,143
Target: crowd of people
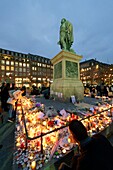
99,90
7,90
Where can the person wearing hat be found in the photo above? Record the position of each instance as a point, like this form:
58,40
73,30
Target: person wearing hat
95,153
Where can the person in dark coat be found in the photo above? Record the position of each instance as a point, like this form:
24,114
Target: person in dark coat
96,152
5,96
24,90
2,95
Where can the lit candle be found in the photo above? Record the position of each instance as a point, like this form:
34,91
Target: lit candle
33,165
64,151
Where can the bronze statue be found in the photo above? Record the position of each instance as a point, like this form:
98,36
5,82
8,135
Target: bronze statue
66,35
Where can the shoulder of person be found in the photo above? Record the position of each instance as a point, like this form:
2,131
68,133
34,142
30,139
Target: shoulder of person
101,138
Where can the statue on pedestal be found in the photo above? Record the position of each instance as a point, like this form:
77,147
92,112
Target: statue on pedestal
66,35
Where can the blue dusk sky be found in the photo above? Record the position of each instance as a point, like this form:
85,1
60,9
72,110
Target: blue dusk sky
32,26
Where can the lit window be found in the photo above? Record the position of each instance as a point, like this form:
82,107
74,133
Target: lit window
24,64
7,67
48,66
16,63
27,65
12,68
12,62
7,62
20,64
34,78
2,62
33,68
97,66
2,67
82,69
44,65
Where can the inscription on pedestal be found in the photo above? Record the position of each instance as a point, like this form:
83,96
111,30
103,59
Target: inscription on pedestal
71,69
58,70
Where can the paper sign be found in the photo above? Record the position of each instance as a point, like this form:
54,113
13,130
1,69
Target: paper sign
73,99
63,113
40,115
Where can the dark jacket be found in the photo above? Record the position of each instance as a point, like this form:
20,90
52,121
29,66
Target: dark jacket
96,154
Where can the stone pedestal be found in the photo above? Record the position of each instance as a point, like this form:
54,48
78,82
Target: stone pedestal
66,76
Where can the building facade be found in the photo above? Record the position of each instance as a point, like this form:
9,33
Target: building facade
95,72
25,69
28,69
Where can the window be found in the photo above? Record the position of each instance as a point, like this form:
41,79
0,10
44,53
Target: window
12,62
12,68
44,65
7,62
48,66
16,54
28,70
97,66
20,74
16,69
20,64
7,52
24,69
24,74
3,51
20,69
16,63
2,62
24,64
27,65
7,68
2,67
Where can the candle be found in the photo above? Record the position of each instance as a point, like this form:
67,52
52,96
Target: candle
64,151
33,165
18,128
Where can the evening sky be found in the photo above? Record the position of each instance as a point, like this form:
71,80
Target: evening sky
32,26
